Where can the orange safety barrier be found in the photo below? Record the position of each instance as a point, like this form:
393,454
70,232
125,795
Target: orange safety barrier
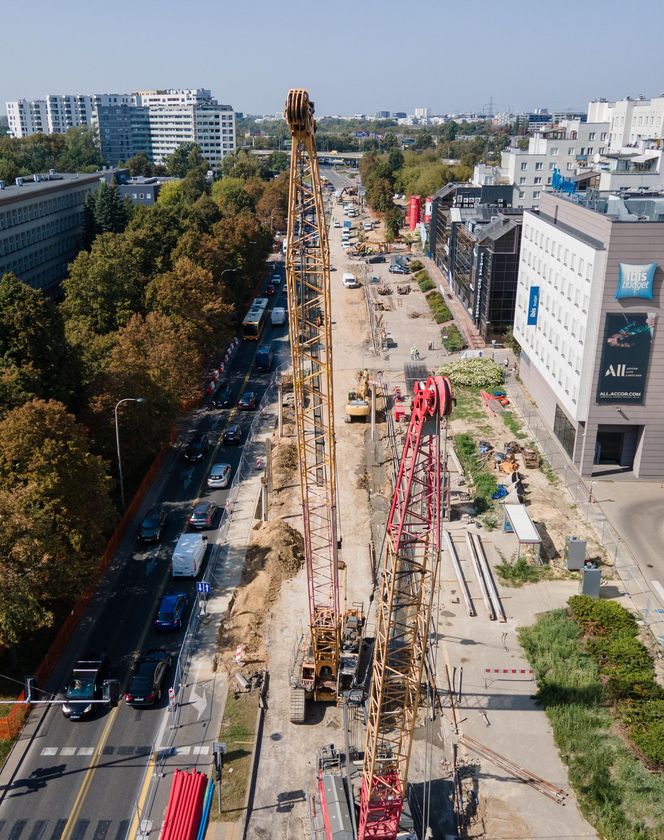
185,806
11,725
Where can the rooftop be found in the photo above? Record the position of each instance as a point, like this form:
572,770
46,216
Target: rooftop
640,205
41,183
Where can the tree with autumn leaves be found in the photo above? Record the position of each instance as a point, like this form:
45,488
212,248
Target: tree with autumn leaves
142,310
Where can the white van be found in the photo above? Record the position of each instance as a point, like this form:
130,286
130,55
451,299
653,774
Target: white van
188,555
349,281
278,316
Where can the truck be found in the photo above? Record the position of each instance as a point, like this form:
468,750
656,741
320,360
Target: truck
347,224
278,316
188,555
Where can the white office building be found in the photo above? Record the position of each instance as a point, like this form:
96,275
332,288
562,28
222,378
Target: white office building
173,97
630,120
65,112
27,117
210,126
568,147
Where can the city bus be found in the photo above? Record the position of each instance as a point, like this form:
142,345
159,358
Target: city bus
254,321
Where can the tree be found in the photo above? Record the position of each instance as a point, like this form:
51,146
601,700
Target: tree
192,300
105,211
395,160
35,360
170,195
139,165
424,140
152,234
393,221
81,152
231,196
243,243
379,195
186,156
240,165
194,184
272,207
105,285
60,514
278,162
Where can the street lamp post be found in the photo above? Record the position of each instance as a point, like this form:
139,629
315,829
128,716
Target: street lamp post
117,441
226,271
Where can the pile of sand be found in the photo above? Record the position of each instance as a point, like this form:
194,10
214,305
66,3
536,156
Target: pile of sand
275,554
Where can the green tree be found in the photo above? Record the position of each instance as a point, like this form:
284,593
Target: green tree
240,165
139,165
395,160
232,197
194,184
187,156
153,233
170,195
393,221
35,360
379,195
81,152
105,211
104,287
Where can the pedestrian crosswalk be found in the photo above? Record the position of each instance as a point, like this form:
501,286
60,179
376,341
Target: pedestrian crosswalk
201,749
53,829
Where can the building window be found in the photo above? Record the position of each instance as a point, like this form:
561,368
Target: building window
538,180
564,431
524,166
522,180
571,150
538,166
590,150
591,136
554,151
536,194
521,194
552,165
603,136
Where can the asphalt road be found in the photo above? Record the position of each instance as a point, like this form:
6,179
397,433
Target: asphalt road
79,780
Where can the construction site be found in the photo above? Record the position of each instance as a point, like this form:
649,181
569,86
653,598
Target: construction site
399,697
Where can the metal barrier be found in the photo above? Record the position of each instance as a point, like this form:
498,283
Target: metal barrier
580,492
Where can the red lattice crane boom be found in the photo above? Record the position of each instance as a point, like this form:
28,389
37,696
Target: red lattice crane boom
404,611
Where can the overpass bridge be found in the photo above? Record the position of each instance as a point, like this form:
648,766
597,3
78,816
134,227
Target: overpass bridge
324,158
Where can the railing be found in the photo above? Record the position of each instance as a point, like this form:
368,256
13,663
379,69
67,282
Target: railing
580,492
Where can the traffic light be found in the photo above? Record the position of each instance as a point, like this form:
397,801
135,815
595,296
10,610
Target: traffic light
218,752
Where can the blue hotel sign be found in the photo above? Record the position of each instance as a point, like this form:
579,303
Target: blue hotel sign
566,185
533,305
635,281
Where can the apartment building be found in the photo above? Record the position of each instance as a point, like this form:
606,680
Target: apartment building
587,313
124,131
26,117
631,120
41,225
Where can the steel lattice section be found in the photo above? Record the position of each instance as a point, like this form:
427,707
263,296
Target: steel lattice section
308,286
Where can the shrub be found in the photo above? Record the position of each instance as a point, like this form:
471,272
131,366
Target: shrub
415,265
437,305
452,339
473,373
484,483
424,281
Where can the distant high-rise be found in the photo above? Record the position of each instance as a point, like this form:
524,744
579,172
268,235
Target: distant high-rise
382,115
421,113
150,122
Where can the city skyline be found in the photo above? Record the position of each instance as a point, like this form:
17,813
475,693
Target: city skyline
375,57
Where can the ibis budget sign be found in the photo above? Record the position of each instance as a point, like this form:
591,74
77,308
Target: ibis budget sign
635,281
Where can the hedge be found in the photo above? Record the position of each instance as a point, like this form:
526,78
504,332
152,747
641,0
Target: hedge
437,305
452,339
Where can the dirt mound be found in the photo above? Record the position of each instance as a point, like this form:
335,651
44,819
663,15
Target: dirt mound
275,554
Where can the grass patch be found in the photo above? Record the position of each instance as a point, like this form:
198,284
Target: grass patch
238,730
484,484
468,404
545,467
517,571
616,791
452,338
513,424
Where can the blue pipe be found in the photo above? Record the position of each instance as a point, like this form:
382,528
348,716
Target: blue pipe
207,804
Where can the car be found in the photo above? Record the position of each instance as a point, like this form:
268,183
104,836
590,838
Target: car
269,290
171,612
233,434
222,397
398,269
152,525
276,280
337,224
376,258
220,475
247,401
85,684
146,678
202,515
197,448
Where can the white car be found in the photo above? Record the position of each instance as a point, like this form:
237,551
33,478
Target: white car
220,475
337,224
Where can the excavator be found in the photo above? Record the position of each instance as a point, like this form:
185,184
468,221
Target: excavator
357,403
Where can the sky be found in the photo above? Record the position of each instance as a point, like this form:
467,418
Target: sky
354,56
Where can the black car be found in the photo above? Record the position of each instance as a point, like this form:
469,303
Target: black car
376,258
171,611
152,525
202,516
395,268
247,401
146,678
222,397
197,448
233,434
85,684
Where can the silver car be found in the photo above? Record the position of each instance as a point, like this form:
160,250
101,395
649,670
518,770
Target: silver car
220,475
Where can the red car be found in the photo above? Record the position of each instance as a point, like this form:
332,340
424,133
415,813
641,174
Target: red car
247,401
269,290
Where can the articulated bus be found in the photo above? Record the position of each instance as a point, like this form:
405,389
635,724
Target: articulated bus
254,322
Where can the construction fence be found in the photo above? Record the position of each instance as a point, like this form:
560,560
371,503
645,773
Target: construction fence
580,492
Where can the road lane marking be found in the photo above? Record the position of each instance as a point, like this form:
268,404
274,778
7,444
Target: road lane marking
182,750
68,751
659,590
89,776
134,832
85,750
202,750
49,751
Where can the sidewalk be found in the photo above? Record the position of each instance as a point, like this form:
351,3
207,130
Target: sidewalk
461,317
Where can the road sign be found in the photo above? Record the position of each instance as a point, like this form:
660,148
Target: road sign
204,586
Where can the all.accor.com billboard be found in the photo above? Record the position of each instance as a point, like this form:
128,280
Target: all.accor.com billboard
625,357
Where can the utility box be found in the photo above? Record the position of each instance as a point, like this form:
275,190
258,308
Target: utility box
590,582
575,553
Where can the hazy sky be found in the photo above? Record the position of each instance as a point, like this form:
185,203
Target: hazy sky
359,56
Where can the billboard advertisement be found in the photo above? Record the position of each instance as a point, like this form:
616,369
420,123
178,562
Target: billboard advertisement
625,357
533,305
635,281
